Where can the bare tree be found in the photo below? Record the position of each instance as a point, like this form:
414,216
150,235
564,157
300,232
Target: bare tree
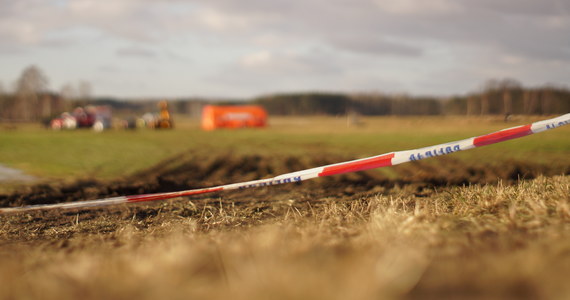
68,91
31,83
485,103
527,102
489,87
508,86
85,89
32,80
507,102
472,107
547,100
535,107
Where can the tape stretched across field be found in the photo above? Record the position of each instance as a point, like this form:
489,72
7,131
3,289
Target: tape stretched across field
378,161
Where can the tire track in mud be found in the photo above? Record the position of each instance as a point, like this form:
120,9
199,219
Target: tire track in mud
192,170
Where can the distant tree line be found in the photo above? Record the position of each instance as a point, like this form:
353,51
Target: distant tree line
509,97
340,104
305,104
31,100
379,104
496,97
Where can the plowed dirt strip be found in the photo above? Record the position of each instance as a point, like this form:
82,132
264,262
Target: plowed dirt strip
190,170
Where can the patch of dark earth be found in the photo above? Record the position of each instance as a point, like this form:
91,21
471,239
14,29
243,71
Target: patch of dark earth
186,172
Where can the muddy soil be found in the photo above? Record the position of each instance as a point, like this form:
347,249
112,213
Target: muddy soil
190,170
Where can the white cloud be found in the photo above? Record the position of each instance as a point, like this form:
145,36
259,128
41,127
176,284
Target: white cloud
561,22
105,9
134,51
376,45
273,40
220,21
258,59
19,32
286,63
419,7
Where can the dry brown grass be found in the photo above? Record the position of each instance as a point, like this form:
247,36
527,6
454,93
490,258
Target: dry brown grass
495,241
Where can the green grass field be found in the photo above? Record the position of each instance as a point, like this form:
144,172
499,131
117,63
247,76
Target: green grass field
84,154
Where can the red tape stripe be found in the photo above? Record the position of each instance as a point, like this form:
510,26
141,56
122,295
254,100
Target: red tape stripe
152,197
365,164
503,135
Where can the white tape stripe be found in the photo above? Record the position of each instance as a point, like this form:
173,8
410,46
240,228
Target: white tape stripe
550,124
436,150
67,205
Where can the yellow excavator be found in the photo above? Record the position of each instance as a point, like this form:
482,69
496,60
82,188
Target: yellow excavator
164,121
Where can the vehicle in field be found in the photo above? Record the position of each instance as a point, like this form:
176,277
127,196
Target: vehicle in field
97,118
233,116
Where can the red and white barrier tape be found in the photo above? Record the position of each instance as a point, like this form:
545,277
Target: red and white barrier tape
378,161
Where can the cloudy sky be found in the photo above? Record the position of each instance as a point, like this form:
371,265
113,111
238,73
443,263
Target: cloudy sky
244,48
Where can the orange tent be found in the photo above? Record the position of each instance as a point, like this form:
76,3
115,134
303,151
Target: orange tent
238,116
